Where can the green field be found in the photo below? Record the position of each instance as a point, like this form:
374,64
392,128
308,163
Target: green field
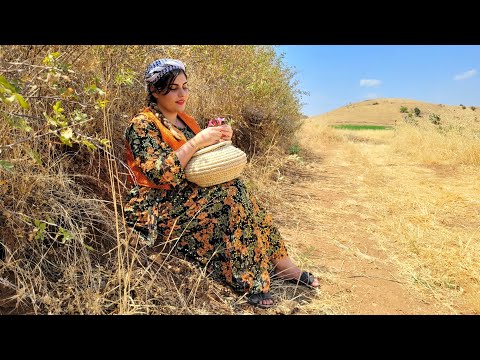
362,127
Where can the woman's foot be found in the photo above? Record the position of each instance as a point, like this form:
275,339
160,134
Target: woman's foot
261,300
285,269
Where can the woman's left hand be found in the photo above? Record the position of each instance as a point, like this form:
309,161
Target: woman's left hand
227,132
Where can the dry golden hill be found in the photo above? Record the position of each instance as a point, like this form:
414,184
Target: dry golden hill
386,111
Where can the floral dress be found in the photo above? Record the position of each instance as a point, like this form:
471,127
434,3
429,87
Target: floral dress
222,227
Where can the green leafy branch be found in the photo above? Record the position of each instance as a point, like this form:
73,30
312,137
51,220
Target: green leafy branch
46,228
9,95
65,131
61,235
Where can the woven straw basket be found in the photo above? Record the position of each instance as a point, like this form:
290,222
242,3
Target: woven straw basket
215,164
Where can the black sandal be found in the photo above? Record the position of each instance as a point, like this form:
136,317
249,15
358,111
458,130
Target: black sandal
255,300
306,279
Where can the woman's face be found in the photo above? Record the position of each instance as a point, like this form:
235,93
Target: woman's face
176,99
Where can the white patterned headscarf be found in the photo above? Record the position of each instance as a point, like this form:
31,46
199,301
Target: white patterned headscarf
160,67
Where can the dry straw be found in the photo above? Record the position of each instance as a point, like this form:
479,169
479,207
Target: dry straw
215,164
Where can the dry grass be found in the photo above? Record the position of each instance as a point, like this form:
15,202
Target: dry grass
423,185
450,144
418,188
64,246
317,135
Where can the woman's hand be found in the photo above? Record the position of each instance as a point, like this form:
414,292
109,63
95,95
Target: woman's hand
227,132
208,136
212,135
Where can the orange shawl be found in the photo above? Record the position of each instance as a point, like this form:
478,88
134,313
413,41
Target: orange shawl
138,176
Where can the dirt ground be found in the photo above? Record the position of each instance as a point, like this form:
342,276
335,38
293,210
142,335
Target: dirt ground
325,218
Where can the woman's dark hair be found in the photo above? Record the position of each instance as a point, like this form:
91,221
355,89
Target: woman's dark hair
163,84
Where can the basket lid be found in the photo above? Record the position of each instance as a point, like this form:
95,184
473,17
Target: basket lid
211,147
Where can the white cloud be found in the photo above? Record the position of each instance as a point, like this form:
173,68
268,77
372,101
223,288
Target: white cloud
466,75
370,82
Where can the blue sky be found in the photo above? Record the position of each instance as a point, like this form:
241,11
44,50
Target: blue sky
335,75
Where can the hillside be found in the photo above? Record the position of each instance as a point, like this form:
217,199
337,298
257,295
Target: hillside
386,111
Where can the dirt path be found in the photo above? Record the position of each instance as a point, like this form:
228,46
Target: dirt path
326,218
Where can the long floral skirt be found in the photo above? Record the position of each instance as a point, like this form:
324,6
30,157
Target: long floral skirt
222,228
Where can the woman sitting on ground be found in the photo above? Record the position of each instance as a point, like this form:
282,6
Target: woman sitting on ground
223,226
